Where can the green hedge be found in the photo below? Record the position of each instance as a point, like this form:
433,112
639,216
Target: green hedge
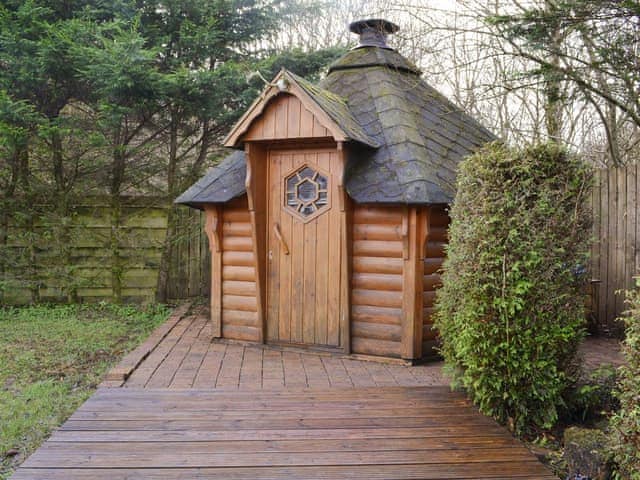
511,308
625,424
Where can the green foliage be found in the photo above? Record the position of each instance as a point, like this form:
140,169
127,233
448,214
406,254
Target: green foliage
625,424
511,309
51,359
592,397
120,97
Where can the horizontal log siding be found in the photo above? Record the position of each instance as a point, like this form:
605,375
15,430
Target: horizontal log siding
376,302
239,300
438,222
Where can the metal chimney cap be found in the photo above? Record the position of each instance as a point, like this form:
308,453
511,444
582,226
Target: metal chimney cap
373,32
383,26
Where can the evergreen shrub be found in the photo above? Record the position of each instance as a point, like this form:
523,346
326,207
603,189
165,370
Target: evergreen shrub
625,424
511,309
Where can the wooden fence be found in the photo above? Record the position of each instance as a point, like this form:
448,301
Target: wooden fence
616,233
190,267
38,265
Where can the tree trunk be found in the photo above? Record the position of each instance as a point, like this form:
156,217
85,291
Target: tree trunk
117,178
162,287
162,292
31,271
552,86
114,248
62,222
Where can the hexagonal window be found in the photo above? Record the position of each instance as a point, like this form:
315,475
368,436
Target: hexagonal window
306,192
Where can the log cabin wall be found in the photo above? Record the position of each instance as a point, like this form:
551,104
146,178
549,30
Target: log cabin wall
377,280
234,303
437,224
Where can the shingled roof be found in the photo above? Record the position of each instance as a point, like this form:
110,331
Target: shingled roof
378,97
423,135
222,183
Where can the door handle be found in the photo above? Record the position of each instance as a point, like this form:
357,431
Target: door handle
276,230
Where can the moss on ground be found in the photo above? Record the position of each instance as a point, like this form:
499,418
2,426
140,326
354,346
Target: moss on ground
52,359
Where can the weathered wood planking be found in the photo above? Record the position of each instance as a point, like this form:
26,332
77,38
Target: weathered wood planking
181,354
614,258
142,235
385,432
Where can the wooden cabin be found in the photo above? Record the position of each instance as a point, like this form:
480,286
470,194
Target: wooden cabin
328,223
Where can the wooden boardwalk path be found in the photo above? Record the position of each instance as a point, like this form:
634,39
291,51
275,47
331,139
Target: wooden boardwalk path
355,433
182,406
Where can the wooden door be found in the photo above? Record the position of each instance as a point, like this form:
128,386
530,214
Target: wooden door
303,248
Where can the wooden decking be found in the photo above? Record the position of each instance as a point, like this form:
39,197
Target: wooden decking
355,433
184,356
191,408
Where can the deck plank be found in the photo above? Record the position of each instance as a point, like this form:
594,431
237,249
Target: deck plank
184,354
522,470
141,375
210,366
373,433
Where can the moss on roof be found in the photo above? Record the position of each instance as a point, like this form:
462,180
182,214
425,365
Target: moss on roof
423,135
378,98
336,107
373,56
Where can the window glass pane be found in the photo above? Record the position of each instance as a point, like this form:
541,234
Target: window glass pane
306,172
322,182
291,183
307,191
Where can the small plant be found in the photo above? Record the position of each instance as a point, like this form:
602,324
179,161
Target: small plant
593,396
625,424
511,309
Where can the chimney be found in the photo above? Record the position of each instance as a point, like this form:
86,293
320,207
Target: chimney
373,32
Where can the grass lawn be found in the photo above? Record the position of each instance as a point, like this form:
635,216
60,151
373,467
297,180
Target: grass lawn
51,360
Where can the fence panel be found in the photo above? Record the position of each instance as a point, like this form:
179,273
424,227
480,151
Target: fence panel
41,261
616,231
190,270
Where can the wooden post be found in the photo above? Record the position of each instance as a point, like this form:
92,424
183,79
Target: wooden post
346,242
412,284
256,185
213,221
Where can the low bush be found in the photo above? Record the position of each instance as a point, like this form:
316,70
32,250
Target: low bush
511,308
625,424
